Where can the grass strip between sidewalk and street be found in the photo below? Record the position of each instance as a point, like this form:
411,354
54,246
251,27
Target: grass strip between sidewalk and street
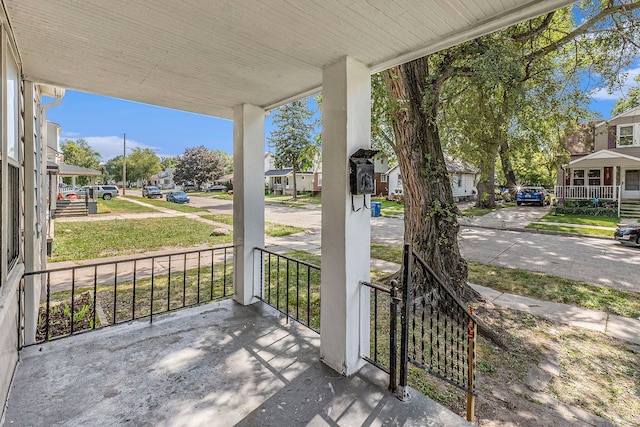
473,211
270,228
121,205
570,229
601,221
538,285
99,239
169,205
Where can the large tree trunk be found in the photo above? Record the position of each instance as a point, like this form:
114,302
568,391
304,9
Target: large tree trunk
507,168
295,189
430,215
486,182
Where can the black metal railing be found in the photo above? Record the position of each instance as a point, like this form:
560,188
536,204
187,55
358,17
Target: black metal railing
438,331
291,286
383,340
87,297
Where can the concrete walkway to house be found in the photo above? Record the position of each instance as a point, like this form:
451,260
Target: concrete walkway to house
220,364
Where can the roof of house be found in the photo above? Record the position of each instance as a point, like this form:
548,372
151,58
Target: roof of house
453,166
71,170
630,112
629,156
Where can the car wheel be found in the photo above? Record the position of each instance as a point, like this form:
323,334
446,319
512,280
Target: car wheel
518,203
106,196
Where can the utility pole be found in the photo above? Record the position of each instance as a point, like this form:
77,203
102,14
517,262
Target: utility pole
124,166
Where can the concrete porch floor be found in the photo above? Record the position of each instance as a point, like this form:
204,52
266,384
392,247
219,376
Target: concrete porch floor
220,364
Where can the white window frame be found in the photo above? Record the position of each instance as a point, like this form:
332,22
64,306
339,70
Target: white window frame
319,179
459,178
600,177
574,177
384,177
635,132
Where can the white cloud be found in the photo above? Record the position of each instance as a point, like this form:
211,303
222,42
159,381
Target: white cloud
629,83
112,146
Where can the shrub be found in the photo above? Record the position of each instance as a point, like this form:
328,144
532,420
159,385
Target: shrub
586,210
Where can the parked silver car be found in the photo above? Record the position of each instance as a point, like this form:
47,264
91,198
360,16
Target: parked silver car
106,192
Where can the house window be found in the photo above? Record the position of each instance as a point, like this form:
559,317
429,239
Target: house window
383,177
578,177
13,185
459,178
319,180
399,180
625,136
594,176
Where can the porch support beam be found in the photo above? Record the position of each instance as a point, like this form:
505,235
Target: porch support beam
346,126
248,200
33,224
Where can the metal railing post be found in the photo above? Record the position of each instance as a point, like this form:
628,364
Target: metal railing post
393,338
403,393
471,399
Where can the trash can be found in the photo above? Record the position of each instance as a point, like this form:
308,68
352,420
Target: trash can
375,208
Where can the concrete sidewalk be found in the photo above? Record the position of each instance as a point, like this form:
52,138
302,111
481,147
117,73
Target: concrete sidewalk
619,327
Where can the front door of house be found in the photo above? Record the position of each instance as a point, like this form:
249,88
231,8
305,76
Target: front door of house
631,188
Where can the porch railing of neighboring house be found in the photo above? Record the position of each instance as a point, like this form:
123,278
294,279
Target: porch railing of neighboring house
291,286
91,296
585,192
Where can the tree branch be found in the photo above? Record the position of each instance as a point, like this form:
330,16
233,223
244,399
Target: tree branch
584,28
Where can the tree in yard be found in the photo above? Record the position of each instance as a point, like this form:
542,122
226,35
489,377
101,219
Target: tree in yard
632,100
80,153
227,160
168,162
141,164
292,140
496,75
113,169
199,166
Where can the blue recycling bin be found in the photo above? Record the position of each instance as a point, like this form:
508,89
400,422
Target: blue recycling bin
375,208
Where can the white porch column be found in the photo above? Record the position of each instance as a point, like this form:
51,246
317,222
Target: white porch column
33,225
346,127
248,200
615,183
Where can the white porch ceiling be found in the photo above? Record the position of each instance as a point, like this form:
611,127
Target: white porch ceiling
206,56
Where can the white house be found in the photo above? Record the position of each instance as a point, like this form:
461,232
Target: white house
461,175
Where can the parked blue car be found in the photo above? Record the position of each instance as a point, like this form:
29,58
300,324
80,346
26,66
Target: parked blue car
535,195
177,197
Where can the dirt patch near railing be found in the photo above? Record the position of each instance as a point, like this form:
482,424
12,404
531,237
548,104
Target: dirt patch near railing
60,317
551,374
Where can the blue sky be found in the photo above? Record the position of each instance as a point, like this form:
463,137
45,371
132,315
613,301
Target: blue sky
102,122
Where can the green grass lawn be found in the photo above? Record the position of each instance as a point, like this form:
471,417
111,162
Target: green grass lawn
601,221
97,239
164,204
473,211
270,228
220,195
570,229
121,205
302,199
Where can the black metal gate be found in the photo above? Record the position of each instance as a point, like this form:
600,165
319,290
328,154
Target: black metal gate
438,331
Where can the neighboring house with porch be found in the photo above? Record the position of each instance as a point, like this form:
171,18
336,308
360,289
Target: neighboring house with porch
461,175
605,163
280,181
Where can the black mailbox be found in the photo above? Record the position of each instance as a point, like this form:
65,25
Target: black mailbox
361,172
90,192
